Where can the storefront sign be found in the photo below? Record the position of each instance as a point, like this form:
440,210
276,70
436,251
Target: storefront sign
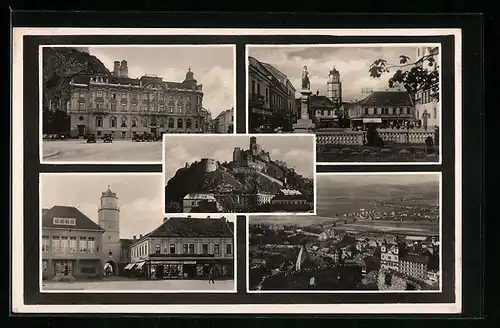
172,262
372,120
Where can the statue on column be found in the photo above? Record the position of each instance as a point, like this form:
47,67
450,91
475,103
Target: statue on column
306,85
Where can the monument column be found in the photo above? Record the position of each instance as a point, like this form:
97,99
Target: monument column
304,123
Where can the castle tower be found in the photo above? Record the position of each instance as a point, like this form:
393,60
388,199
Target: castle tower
334,87
116,68
209,165
254,146
108,216
237,154
124,69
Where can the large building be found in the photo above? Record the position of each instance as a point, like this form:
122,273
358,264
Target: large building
125,106
185,248
224,122
384,108
71,244
271,96
427,105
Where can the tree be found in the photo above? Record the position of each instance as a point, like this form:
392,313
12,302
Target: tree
412,75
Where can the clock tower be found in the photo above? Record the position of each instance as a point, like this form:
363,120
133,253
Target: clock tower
334,87
109,219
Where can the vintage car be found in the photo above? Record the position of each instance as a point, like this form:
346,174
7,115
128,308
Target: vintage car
91,138
137,137
266,128
107,137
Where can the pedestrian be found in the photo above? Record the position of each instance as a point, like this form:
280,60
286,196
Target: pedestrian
211,276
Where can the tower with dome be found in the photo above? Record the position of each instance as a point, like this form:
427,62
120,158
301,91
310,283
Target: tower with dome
109,219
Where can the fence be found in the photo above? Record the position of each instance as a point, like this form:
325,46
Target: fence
356,137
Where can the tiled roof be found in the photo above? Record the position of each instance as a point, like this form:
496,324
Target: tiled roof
258,66
275,72
82,221
194,227
387,98
85,79
320,101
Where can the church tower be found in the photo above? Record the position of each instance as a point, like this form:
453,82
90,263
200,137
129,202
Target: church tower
109,219
334,87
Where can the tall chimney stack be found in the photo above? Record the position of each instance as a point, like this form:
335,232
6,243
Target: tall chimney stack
116,68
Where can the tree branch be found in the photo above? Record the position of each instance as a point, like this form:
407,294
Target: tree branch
421,60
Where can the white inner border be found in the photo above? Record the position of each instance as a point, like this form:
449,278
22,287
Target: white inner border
318,176
40,102
18,305
243,136
107,291
354,45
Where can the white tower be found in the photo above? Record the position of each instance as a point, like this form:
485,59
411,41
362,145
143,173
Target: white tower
334,87
109,219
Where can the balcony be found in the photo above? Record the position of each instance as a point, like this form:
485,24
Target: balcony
257,101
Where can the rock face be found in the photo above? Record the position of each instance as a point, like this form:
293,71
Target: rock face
61,64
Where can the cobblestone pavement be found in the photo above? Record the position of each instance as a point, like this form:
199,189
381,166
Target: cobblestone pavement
117,151
142,285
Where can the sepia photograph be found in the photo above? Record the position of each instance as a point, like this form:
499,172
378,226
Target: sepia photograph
239,173
373,232
364,102
110,235
113,103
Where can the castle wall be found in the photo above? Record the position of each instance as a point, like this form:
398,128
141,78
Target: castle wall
209,164
397,282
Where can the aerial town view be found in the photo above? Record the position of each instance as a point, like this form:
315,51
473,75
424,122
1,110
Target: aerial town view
372,232
113,104
239,173
364,103
100,237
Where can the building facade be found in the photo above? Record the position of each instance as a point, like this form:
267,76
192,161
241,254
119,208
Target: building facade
125,106
385,108
185,248
224,122
427,105
71,244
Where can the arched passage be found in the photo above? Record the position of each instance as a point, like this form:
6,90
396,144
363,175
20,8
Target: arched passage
110,268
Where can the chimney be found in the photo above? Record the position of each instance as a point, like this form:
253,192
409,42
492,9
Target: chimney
165,219
116,68
134,237
317,92
208,216
140,236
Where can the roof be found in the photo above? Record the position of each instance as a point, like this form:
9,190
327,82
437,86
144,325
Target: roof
200,196
320,101
387,98
258,66
289,197
290,192
194,227
126,242
108,193
280,76
82,221
108,78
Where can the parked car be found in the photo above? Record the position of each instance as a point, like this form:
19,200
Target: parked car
266,128
91,138
107,137
138,137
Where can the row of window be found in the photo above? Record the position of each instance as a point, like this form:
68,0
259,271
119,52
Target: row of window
387,111
146,108
277,102
68,244
153,122
186,249
64,221
153,96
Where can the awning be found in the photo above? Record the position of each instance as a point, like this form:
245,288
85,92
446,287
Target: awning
129,266
140,265
372,120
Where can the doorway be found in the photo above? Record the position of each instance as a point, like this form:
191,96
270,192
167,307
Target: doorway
81,130
153,131
64,268
190,270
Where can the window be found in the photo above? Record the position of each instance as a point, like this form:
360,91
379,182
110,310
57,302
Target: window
134,122
145,122
81,106
205,248
157,248
366,111
134,96
83,245
113,95
184,248
258,89
253,89
124,95
171,123
72,244
91,245
191,248
134,107
267,95
196,125
64,244
172,248
229,249
45,243
179,106
124,108
88,270
171,106
435,112
113,122
188,107
99,93
188,123
216,249
145,107
113,107
64,221
162,108
98,121
124,122
179,123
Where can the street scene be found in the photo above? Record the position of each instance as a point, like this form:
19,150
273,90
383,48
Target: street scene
239,173
128,97
109,234
373,232
364,104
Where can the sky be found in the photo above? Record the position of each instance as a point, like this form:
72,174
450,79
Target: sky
296,150
212,66
140,197
351,62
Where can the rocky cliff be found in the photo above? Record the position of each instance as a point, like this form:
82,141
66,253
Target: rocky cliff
60,64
